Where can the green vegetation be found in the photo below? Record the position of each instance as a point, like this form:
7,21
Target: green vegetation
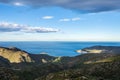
8,74
79,71
83,67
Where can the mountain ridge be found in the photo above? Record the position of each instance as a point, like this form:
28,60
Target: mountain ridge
16,55
45,67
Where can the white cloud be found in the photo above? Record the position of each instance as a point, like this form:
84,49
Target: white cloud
39,30
65,19
47,17
76,19
70,19
18,4
12,27
86,6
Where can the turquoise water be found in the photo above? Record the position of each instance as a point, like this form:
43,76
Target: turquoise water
55,48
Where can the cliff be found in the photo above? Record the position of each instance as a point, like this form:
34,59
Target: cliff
15,55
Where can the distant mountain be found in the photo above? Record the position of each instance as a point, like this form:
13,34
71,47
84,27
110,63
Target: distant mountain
101,49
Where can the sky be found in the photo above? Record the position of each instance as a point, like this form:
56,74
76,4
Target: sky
59,20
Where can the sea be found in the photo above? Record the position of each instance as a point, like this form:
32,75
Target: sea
54,48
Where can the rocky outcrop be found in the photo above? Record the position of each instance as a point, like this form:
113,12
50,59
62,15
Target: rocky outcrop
101,49
15,55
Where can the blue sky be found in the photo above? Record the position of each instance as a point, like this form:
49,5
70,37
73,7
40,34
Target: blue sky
20,20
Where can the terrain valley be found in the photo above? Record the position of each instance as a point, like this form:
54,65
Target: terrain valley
94,63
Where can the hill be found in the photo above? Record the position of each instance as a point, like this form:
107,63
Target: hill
18,58
100,49
105,70
15,55
21,65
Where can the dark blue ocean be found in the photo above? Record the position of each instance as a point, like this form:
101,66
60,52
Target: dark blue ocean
55,48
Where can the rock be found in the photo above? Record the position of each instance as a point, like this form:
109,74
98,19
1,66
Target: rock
15,55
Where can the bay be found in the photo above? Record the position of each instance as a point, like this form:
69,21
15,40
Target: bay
54,48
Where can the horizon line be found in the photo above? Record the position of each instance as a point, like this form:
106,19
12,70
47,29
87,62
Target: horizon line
56,41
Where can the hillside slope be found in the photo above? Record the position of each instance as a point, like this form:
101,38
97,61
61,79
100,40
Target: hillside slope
103,66
15,55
